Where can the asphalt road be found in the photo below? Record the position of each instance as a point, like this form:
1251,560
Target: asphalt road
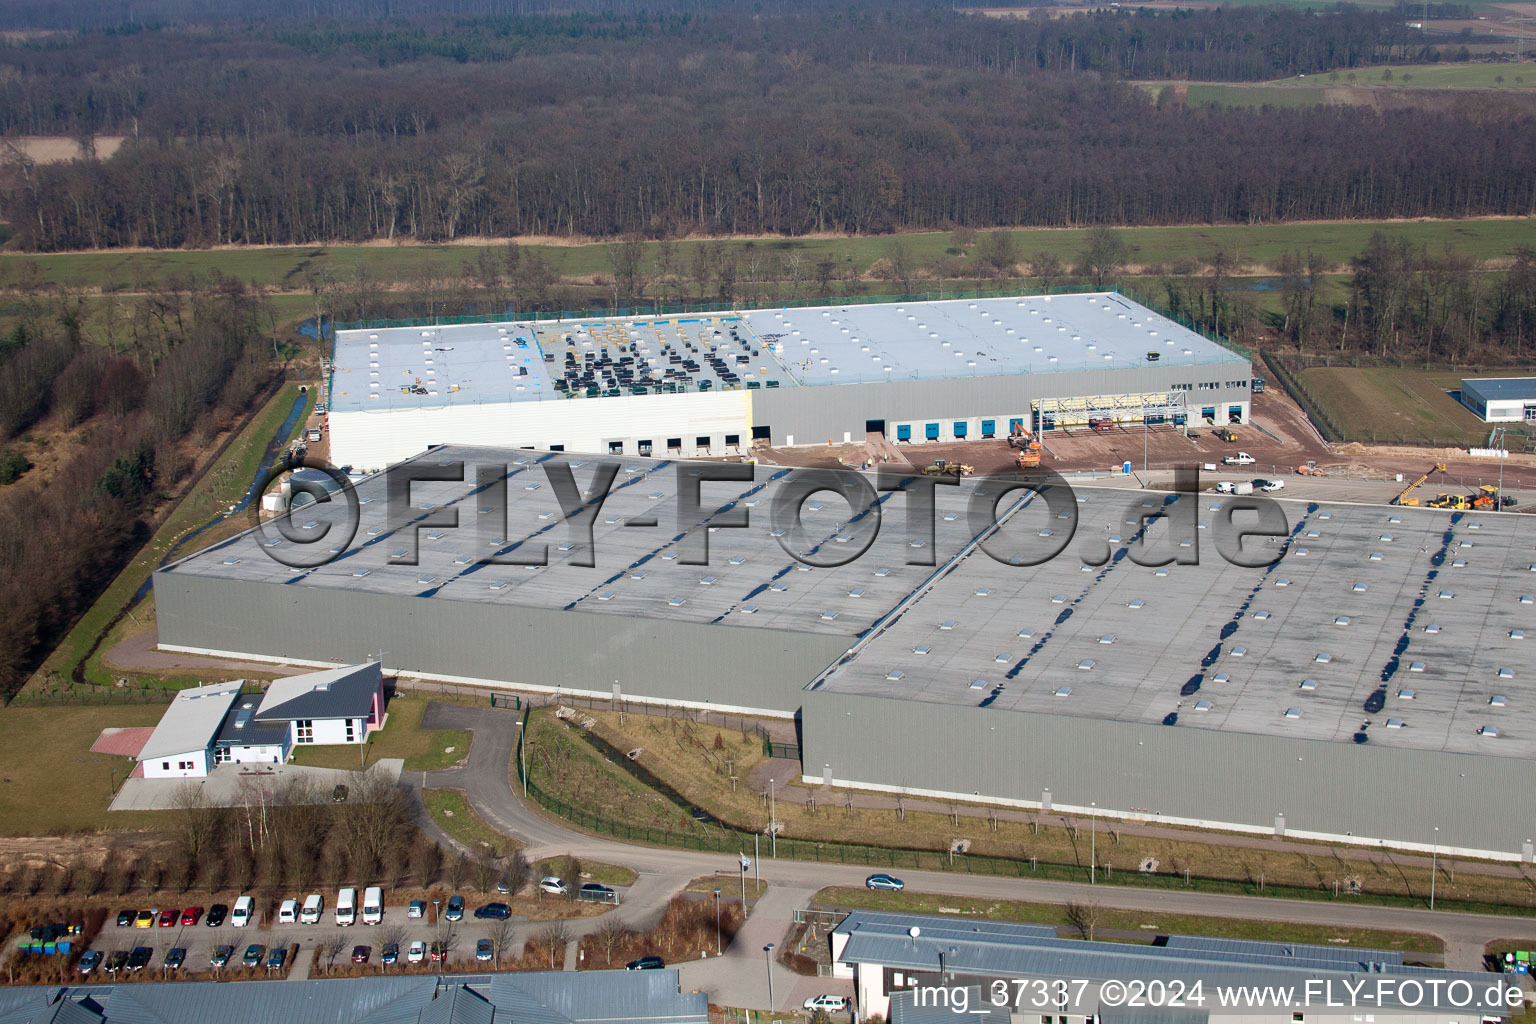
486,781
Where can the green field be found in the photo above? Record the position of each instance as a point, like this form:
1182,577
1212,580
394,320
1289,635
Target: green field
51,783
1422,76
1359,85
286,269
1393,405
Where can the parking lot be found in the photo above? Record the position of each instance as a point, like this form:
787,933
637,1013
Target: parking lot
200,941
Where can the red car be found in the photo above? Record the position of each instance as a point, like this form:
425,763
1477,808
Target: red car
191,914
168,918
360,954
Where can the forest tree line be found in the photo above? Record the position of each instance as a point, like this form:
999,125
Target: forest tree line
796,118
124,418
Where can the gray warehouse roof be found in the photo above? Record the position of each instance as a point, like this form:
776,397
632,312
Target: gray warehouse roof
610,997
993,955
1412,618
433,367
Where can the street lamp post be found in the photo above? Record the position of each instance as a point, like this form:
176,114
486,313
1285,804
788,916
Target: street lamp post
1434,861
773,819
522,755
1093,843
717,920
768,963
437,918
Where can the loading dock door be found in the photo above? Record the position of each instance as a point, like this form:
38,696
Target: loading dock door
874,427
931,431
904,432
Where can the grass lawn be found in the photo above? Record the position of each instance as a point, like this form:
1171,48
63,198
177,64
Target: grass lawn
728,885
1393,404
51,783
682,756
591,871
456,817
285,268
223,485
843,897
402,736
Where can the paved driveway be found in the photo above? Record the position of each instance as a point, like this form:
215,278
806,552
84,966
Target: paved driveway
486,781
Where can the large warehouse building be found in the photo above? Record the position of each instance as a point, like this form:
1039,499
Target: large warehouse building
1368,686
714,384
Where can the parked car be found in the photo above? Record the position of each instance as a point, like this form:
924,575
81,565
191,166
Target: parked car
90,961
390,954
253,954
175,957
416,952
277,958
646,963
503,887
496,911
889,883
418,908
221,955
360,954
145,919
826,1002
552,885
439,952
1269,485
1240,459
216,915
455,908
140,957
191,914
594,891
483,949
125,918
168,918
116,961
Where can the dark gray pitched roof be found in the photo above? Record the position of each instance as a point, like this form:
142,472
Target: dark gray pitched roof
336,693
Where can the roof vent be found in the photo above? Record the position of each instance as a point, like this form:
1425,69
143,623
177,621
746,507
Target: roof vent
1293,712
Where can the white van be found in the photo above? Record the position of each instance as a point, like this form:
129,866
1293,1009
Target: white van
313,905
346,907
373,905
241,915
288,913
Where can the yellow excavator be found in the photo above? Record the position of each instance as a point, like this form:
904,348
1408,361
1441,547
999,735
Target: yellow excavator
943,468
1402,496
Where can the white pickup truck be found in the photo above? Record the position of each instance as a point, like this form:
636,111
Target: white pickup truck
1240,459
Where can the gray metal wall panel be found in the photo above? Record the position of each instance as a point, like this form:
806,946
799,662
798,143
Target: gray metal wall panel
676,661
815,414
1338,789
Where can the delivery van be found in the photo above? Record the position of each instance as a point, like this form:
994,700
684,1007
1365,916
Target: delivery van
346,907
373,905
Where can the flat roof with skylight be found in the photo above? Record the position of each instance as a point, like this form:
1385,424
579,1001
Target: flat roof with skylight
524,361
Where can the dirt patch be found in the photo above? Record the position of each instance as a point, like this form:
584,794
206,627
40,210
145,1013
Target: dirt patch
50,149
